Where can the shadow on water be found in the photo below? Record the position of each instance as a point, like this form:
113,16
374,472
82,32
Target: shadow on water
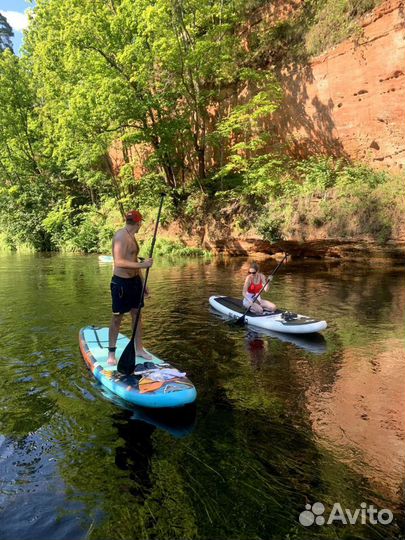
179,422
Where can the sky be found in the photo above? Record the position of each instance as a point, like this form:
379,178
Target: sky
14,10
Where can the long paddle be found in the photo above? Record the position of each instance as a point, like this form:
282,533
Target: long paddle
126,363
241,320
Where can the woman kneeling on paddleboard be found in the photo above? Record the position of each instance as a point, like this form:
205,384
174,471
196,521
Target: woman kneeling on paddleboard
253,285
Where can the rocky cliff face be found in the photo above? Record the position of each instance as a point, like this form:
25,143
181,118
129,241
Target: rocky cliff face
350,101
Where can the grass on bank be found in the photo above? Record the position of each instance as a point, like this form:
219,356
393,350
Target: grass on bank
314,27
171,248
335,21
7,245
321,198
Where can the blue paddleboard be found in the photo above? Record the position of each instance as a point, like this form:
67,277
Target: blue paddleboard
144,387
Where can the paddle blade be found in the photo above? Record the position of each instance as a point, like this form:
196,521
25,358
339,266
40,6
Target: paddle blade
126,363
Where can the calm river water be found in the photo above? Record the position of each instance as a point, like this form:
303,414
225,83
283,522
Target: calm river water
278,424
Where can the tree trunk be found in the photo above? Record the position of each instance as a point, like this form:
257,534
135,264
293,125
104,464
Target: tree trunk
200,151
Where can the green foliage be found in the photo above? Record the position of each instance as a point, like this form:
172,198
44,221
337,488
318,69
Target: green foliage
264,177
281,197
245,126
136,73
146,197
270,228
196,205
245,118
176,80
334,21
96,75
346,199
82,228
259,173
31,185
350,177
21,214
171,248
316,174
313,27
86,238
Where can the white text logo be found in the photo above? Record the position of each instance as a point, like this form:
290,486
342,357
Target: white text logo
365,514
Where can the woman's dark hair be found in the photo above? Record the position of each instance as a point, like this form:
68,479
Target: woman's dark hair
255,266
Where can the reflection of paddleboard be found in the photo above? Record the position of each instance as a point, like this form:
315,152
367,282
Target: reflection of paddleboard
178,427
314,343
151,388
105,258
170,420
279,321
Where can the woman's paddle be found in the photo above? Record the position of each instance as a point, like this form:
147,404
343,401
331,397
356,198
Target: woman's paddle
241,320
126,363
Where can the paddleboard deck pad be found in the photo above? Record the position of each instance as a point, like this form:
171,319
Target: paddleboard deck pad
280,320
155,383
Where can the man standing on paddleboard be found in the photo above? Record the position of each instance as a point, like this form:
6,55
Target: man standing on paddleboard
126,283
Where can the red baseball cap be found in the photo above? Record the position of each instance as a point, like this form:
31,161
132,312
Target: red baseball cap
134,215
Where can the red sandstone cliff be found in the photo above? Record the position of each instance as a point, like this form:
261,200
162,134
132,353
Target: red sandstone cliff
350,101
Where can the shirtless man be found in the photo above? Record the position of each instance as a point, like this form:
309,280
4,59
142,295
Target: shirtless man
126,283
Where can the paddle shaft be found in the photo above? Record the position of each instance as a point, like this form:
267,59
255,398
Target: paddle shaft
264,286
138,313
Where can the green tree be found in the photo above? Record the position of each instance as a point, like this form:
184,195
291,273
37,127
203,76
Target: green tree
246,131
198,54
91,64
156,76
138,73
23,195
31,183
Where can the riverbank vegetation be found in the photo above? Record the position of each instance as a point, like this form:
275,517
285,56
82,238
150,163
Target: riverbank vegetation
111,102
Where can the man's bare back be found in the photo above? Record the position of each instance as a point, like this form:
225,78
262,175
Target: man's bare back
125,247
